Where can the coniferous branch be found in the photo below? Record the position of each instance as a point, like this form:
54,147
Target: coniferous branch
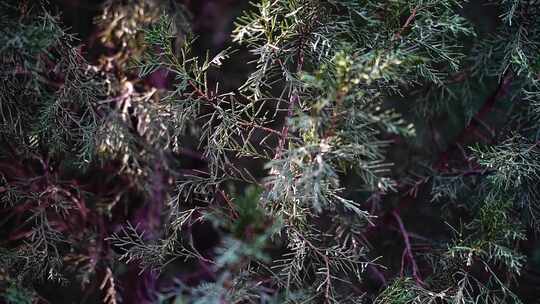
263,190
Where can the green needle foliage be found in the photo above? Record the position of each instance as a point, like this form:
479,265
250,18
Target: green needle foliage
359,120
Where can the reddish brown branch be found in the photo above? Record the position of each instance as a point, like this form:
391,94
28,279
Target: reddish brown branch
252,125
407,252
477,120
233,213
328,280
199,92
407,23
294,99
285,130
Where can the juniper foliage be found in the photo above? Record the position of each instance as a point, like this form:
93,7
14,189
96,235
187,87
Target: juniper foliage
357,118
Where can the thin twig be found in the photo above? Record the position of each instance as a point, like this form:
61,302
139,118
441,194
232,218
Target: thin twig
407,23
408,250
294,99
285,130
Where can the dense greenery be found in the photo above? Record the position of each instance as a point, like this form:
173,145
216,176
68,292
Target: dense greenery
377,152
